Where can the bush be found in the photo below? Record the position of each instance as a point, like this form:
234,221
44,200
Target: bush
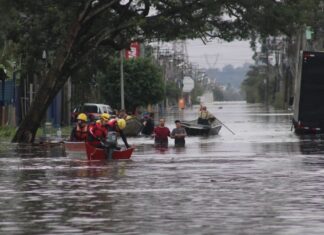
7,132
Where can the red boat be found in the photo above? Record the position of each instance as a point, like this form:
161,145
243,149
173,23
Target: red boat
94,153
72,146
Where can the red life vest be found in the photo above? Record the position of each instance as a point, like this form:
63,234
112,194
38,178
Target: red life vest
96,132
112,123
81,133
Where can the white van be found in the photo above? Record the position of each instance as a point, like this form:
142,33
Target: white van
92,110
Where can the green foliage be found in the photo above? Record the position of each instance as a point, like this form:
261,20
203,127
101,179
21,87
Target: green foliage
51,26
45,25
197,92
172,91
7,132
7,57
218,94
253,86
143,83
76,33
279,101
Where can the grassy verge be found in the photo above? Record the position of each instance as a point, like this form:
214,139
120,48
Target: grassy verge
8,132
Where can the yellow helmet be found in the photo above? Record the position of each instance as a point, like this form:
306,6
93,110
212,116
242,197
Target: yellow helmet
82,117
105,116
128,117
121,123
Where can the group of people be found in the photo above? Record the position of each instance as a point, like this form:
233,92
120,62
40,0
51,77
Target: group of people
161,134
108,126
100,132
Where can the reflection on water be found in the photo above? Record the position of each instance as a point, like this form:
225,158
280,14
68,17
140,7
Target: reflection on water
262,180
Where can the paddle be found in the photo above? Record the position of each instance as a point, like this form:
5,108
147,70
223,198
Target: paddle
226,126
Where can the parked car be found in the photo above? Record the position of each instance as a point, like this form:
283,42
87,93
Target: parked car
92,110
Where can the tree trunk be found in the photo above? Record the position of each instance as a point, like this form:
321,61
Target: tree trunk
53,82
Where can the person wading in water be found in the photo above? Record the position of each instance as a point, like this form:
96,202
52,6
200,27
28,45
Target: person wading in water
161,134
178,134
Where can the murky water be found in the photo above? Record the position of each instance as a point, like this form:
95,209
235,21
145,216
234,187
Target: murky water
262,180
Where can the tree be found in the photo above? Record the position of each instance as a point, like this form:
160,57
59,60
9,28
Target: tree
143,83
218,93
172,92
74,31
253,86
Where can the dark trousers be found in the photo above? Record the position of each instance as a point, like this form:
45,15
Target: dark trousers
202,121
179,142
163,143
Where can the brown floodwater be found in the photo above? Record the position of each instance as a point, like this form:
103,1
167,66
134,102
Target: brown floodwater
262,180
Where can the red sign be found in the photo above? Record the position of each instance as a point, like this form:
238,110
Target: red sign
134,51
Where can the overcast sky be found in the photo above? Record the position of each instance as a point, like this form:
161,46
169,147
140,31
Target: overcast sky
219,54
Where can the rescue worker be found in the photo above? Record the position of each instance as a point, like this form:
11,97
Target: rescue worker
117,126
205,117
97,132
79,131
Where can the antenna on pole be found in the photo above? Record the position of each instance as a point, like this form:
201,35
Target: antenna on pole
211,65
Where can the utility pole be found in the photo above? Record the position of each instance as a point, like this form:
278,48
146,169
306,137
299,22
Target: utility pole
267,77
122,101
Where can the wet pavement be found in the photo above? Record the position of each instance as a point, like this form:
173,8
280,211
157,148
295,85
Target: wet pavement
262,180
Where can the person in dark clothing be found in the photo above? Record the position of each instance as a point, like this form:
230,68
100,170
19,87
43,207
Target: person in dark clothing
178,134
148,124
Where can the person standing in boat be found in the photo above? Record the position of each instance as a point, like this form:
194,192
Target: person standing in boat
116,126
97,132
178,134
79,131
205,117
161,134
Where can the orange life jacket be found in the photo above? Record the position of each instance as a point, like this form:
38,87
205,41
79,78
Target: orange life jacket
81,133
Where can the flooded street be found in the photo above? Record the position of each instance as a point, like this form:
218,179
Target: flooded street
262,180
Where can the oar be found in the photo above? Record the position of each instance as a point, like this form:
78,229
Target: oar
226,126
